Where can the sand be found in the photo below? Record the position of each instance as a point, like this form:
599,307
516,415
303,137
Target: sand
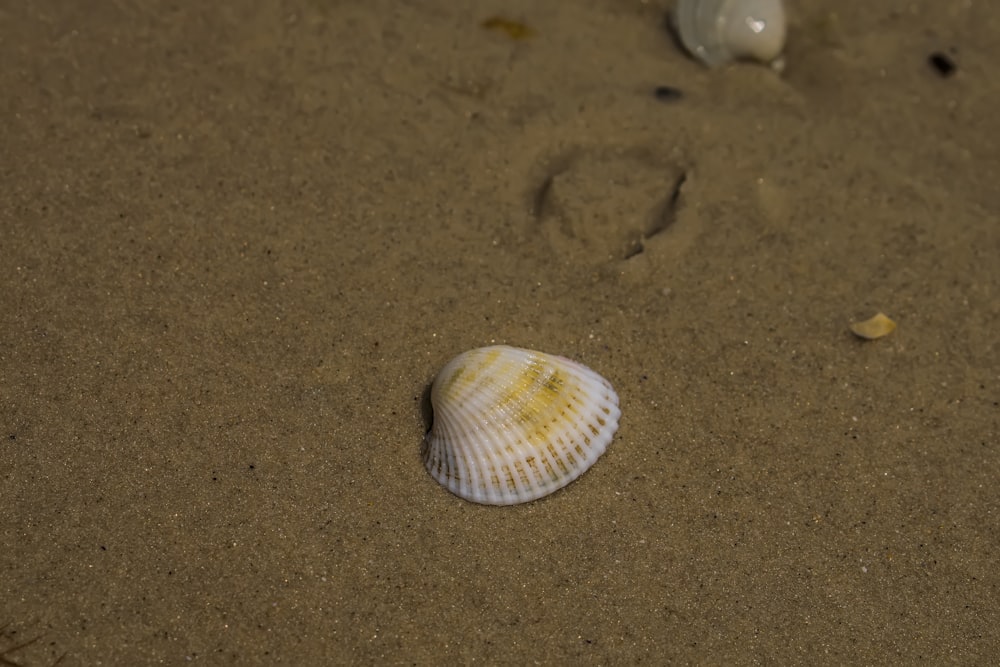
239,243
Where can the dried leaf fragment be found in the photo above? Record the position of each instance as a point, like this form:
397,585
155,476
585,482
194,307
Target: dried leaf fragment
873,328
513,29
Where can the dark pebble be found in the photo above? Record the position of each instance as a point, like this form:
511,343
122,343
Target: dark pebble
942,63
667,93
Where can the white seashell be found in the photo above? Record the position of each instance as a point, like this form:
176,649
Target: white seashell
513,425
720,31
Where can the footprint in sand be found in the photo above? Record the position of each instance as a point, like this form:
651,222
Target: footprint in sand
601,206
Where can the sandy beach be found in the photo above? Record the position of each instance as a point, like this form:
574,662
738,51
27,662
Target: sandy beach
240,242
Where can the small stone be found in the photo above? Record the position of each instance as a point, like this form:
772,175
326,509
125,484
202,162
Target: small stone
667,93
942,64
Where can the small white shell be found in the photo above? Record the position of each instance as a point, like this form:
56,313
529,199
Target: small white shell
513,425
720,31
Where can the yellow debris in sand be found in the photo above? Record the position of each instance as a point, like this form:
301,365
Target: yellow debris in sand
873,328
513,29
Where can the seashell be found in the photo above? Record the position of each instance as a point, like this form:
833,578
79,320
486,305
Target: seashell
513,425
717,32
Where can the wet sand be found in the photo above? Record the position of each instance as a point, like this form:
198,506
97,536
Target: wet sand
239,244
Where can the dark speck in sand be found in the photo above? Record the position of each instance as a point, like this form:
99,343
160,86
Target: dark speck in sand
942,63
667,93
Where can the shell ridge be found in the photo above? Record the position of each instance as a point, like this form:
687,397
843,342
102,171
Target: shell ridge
458,468
472,475
512,444
484,465
490,480
551,471
522,473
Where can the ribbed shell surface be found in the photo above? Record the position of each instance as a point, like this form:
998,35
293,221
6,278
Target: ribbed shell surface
513,425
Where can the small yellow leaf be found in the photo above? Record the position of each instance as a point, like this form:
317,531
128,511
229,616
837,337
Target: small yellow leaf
873,328
513,29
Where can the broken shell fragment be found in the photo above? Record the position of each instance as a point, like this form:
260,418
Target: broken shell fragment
876,327
513,425
718,32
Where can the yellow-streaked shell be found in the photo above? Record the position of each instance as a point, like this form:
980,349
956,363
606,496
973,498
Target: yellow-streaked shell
513,425
874,327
